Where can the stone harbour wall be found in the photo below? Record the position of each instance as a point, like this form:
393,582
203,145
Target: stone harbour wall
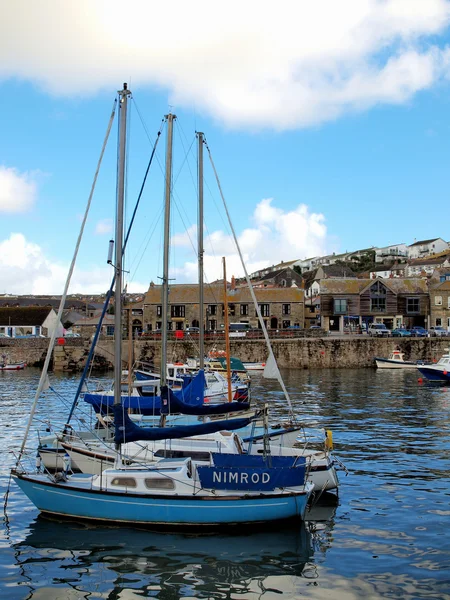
299,353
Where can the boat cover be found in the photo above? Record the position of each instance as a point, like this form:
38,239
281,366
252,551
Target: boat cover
172,403
127,431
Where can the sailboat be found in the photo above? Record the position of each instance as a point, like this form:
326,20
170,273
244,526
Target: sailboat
231,489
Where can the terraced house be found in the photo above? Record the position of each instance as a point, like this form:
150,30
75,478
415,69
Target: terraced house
280,307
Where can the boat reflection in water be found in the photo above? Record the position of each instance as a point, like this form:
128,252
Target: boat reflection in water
112,559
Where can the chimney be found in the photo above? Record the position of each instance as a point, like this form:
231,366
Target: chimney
233,283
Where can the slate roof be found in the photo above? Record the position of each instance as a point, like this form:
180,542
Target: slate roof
52,302
423,262
414,285
213,294
337,271
23,317
423,242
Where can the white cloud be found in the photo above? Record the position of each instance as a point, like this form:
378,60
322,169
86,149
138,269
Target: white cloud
24,269
277,235
284,66
17,191
104,226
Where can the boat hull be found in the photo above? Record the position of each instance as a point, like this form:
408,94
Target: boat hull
435,374
13,367
75,499
386,363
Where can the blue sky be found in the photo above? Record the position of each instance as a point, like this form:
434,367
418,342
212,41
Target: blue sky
329,132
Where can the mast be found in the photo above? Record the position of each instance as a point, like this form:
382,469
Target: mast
227,330
200,251
165,278
123,102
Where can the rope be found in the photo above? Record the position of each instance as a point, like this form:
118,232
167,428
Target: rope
252,292
43,380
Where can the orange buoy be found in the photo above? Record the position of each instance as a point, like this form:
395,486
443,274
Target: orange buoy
420,380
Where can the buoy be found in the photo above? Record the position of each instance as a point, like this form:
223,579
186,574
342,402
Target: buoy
420,380
322,353
445,372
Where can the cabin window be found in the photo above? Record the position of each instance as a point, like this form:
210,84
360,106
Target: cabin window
160,483
177,310
412,305
340,306
244,310
195,455
265,310
124,482
438,300
286,309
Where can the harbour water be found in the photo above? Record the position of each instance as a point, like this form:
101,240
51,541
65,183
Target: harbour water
386,537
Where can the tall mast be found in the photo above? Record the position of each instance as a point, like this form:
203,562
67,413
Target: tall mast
200,251
123,101
165,279
227,329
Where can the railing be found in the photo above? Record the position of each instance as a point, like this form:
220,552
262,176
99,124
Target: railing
255,334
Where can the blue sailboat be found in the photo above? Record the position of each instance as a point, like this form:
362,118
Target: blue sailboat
170,492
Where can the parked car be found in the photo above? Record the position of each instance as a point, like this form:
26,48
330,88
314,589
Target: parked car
400,332
379,330
419,331
4,335
438,332
293,327
70,334
192,329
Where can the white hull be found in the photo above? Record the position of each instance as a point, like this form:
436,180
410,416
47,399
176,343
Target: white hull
394,364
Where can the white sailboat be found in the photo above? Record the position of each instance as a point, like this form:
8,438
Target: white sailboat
230,489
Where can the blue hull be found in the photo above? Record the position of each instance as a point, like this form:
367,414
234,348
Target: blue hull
434,374
69,500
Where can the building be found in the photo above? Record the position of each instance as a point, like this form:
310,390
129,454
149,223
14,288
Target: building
391,253
426,248
25,321
395,302
280,307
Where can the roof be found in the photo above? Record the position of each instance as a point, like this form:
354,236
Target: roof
423,242
430,260
23,316
51,301
414,285
213,294
337,271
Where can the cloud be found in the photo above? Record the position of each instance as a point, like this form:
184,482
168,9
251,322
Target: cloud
24,269
247,65
277,235
104,226
17,191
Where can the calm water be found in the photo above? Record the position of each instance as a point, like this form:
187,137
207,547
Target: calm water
388,537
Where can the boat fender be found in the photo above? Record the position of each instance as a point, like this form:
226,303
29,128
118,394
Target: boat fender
329,439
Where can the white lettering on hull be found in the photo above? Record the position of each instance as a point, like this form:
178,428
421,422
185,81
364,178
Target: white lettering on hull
235,477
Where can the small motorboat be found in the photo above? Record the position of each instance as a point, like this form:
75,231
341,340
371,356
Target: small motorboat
396,360
254,366
439,371
4,366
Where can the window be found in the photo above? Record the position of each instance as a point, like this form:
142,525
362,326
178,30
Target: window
438,322
286,309
212,309
412,305
110,330
158,325
265,310
159,310
340,306
438,300
448,300
160,483
378,297
212,325
244,310
124,481
177,310
286,324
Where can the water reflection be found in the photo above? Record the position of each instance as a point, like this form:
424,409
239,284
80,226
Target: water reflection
171,566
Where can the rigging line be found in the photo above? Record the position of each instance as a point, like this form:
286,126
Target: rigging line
109,294
62,303
250,286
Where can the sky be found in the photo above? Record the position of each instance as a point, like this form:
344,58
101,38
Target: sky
327,123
